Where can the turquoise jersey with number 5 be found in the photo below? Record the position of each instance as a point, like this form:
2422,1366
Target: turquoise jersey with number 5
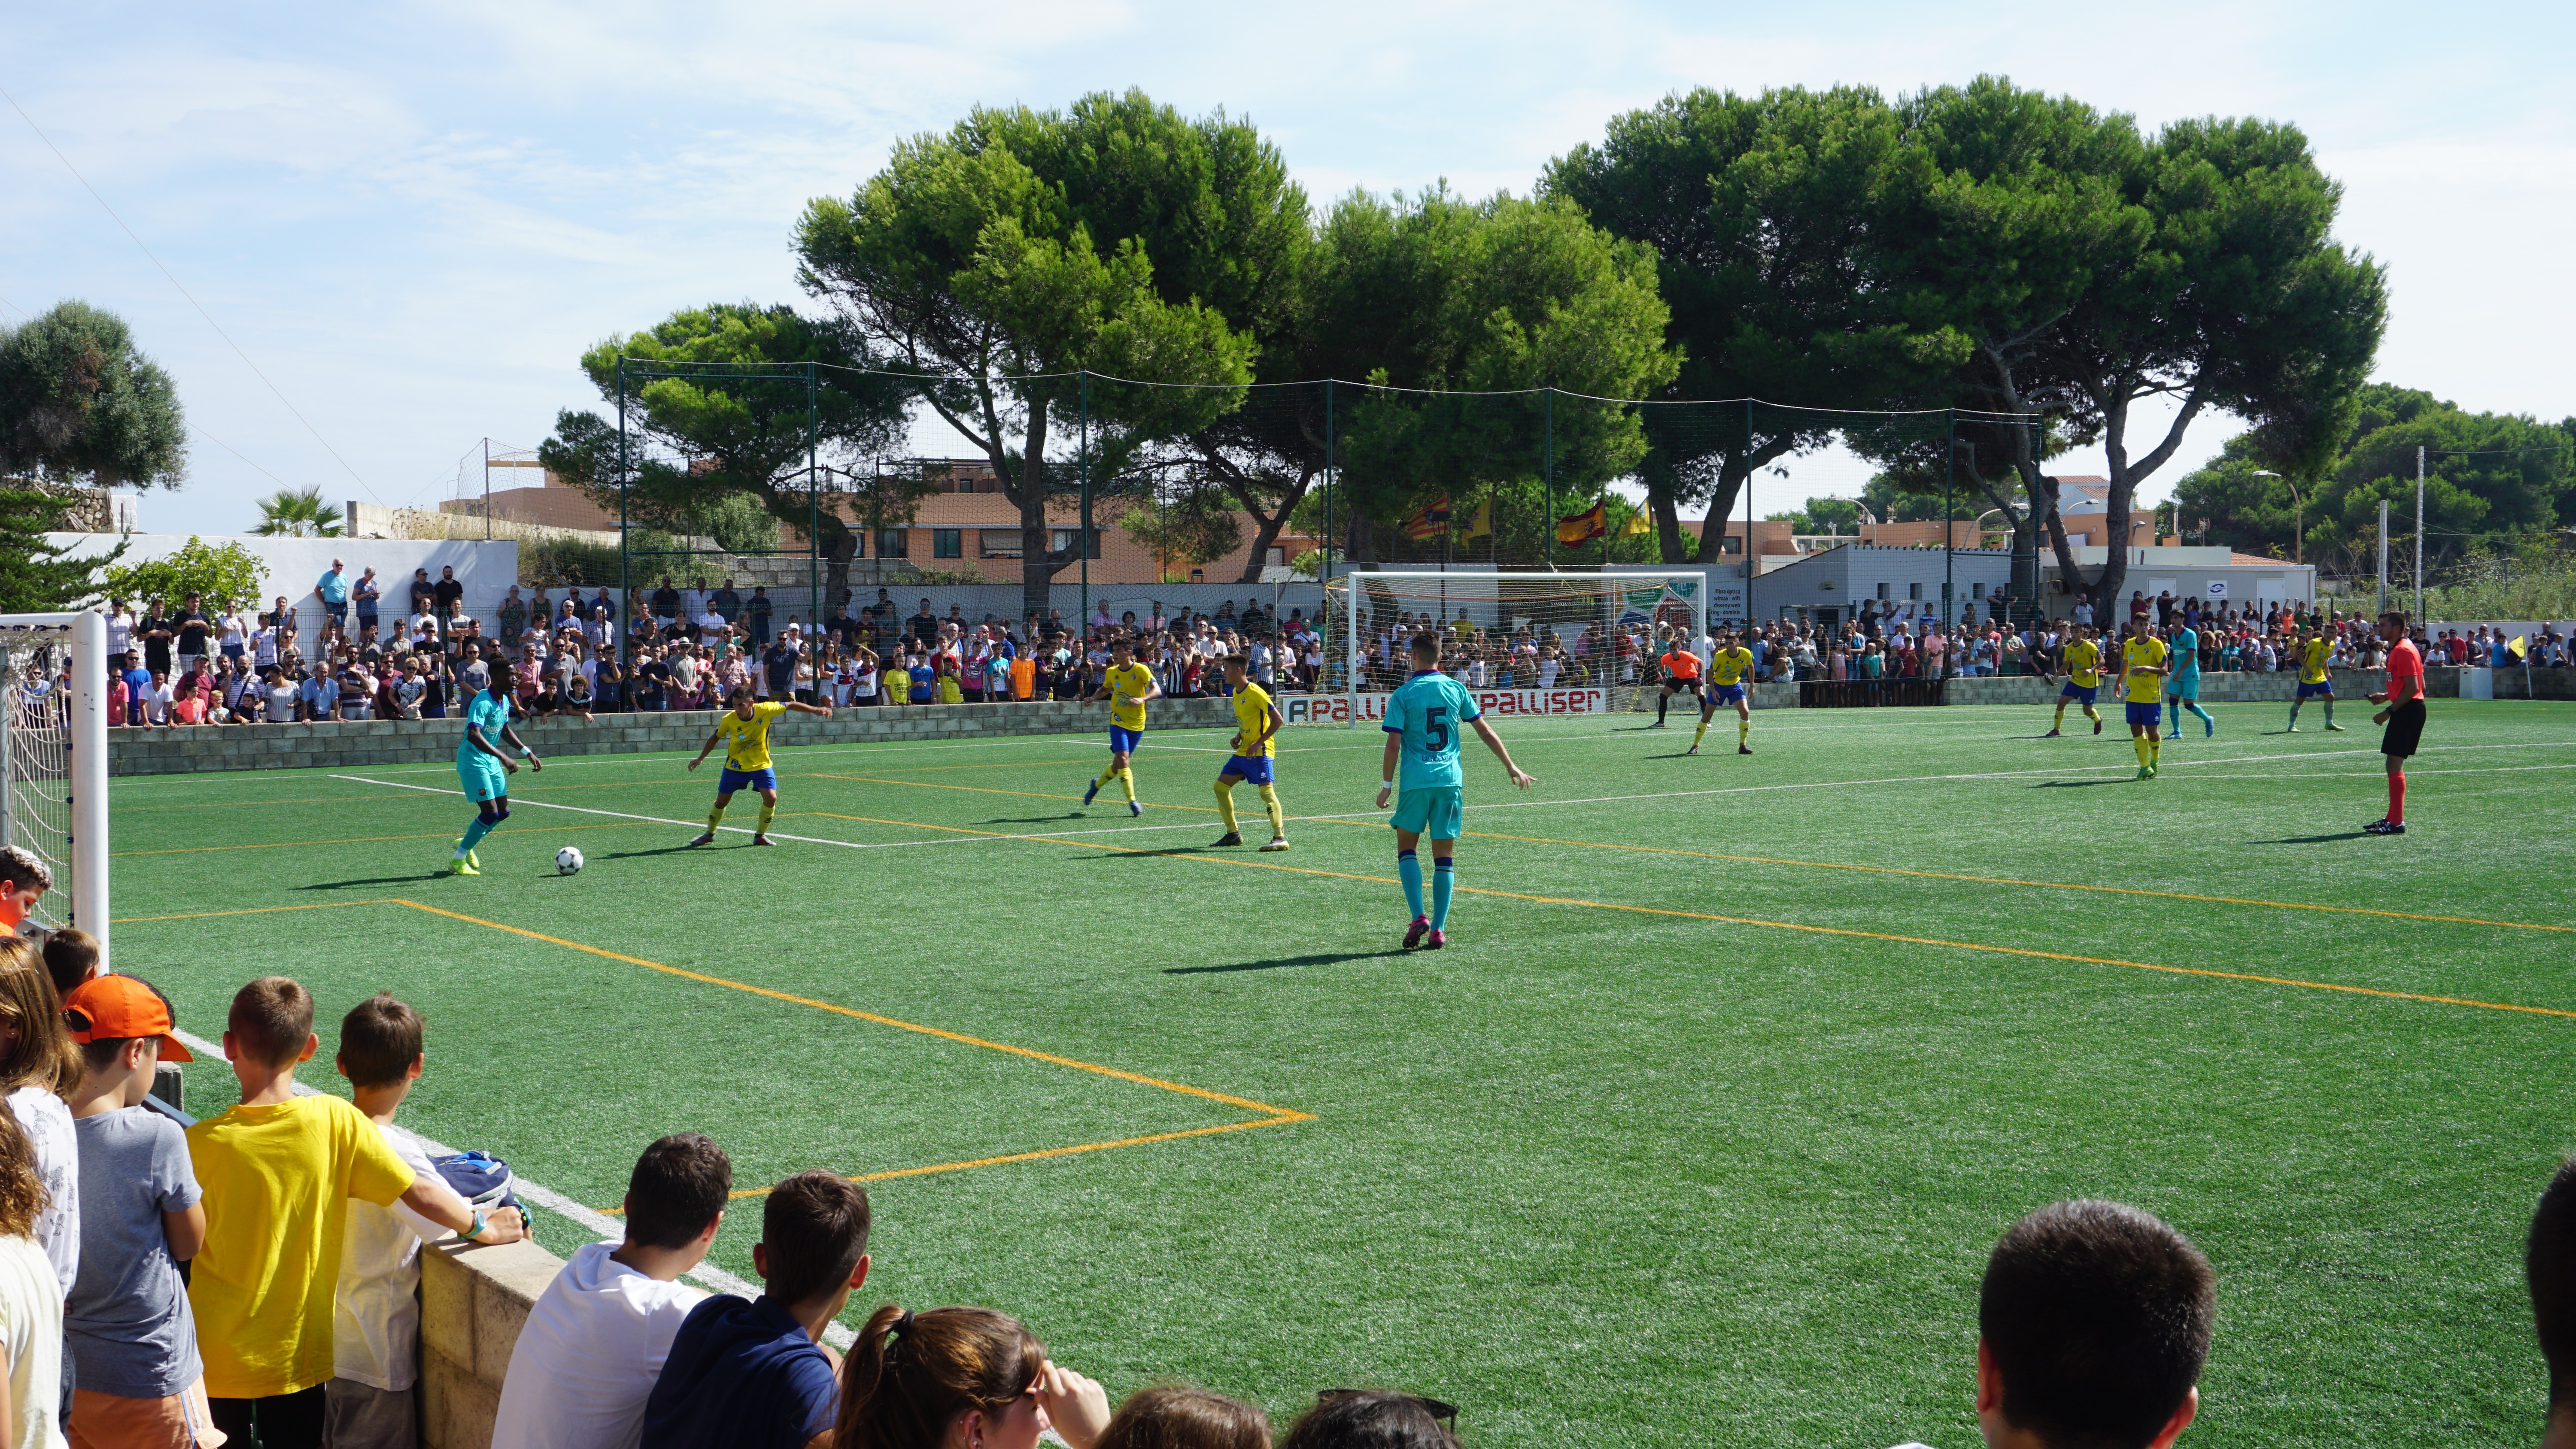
1430,711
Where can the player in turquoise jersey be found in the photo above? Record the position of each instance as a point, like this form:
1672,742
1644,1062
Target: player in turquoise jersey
1422,720
2182,691
483,768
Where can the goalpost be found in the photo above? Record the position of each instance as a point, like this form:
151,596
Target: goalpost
1550,643
53,746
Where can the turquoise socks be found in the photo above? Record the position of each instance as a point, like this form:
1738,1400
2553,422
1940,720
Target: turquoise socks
474,834
1408,868
1444,879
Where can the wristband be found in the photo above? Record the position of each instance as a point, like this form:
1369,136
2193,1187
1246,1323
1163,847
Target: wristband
481,1221
526,754
1386,784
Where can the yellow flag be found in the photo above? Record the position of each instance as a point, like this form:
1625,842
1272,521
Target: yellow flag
1483,522
1637,523
2519,647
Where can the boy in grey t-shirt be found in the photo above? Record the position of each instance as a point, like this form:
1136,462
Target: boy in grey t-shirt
126,1324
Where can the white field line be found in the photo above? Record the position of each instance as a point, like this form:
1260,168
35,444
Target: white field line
782,835
2056,771
838,1335
1896,719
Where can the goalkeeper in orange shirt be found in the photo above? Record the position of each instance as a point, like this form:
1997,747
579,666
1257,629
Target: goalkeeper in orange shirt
1681,672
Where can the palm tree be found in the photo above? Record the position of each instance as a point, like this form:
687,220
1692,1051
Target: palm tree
298,513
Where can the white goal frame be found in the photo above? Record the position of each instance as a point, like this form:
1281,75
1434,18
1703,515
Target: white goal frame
84,633
1609,586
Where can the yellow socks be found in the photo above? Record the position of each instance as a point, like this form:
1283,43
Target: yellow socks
1700,734
2059,722
715,818
2155,753
1269,803
1225,805
767,810
1127,782
1106,775
1743,728
2139,743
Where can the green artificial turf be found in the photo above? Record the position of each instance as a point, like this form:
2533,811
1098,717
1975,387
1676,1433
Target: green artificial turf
1608,1170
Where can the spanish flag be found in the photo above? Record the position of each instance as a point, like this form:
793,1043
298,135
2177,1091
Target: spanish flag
1429,521
1482,523
1584,527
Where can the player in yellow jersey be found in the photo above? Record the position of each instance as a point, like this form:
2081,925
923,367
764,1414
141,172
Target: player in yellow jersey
2083,678
743,729
1127,685
1730,671
2315,653
2142,686
1256,726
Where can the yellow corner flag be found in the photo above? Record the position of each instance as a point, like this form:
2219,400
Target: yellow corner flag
1482,523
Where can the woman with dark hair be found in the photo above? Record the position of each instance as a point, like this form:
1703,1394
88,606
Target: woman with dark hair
960,1378
1363,1419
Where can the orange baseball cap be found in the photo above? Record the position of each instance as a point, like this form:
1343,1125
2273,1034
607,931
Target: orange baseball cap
111,1008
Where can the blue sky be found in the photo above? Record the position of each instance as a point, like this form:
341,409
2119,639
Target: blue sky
414,218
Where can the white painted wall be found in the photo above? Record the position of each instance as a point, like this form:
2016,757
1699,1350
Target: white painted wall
290,566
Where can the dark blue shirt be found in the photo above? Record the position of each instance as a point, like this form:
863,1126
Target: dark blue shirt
742,1374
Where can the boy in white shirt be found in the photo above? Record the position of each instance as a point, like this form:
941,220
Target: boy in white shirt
595,1340
375,1309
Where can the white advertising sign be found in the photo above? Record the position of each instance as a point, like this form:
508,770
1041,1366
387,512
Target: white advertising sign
1336,709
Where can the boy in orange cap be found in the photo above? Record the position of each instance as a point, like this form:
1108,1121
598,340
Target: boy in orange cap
126,1324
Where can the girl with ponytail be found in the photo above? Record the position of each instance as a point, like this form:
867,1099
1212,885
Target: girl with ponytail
960,1378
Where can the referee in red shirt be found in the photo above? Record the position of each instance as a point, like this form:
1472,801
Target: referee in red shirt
2404,717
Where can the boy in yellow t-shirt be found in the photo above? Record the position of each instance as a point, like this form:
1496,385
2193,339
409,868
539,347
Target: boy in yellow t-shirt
278,1173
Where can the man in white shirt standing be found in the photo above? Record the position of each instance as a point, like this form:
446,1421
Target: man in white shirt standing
596,1338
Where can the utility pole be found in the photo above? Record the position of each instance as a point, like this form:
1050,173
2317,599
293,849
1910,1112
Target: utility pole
2383,560
2419,535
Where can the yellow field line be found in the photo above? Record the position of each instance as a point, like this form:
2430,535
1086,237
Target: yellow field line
1754,860
2009,881
868,1016
356,840
1777,925
1274,1116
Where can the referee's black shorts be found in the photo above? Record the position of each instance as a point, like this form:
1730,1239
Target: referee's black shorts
2405,729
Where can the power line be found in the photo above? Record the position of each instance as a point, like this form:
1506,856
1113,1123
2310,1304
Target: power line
192,300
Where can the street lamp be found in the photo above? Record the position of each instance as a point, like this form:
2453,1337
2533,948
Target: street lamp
2298,514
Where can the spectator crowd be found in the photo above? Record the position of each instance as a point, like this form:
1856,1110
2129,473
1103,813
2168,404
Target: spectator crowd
228,662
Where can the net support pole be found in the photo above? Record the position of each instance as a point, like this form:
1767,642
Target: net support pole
625,581
1324,573
87,731
1082,533
1351,649
2383,561
1949,515
2419,536
1547,469
813,518
1748,515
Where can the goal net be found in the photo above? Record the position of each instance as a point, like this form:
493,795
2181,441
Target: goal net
1525,643
53,745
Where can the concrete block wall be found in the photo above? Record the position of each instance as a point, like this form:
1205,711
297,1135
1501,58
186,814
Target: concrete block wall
473,1302
363,744
2215,687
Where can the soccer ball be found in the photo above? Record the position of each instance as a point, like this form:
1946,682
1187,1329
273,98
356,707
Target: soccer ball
568,861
